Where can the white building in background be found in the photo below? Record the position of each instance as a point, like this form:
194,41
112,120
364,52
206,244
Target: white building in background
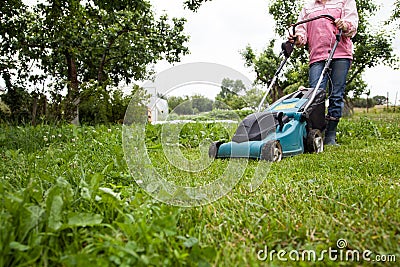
157,110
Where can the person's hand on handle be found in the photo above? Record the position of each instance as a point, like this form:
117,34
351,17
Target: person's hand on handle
341,25
294,39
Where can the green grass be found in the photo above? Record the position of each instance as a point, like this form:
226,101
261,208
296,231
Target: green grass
67,199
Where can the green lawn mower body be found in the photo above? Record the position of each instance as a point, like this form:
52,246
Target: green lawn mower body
280,131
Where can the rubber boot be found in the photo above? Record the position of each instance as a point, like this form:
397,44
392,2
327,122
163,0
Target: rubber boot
330,134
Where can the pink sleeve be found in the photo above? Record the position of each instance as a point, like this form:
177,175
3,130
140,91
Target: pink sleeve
301,30
350,16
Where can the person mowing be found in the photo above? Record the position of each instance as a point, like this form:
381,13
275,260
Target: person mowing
320,35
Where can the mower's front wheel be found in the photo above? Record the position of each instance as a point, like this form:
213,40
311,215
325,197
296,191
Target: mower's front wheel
315,141
213,149
272,151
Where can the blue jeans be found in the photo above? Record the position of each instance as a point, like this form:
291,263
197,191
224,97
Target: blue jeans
338,73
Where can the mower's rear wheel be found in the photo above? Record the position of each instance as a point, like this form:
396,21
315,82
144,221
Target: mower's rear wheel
315,141
272,151
213,150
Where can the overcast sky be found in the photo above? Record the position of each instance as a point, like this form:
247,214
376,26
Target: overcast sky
221,28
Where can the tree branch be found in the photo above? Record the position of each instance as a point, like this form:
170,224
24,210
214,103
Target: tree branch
355,74
106,51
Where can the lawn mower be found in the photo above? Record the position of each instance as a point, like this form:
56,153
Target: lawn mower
290,126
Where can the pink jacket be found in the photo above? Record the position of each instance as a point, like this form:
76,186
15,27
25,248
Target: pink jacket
320,34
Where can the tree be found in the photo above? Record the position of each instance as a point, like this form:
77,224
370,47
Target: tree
264,65
13,21
185,108
201,103
180,105
371,48
194,5
174,101
253,97
231,87
380,100
229,95
76,42
4,111
19,102
396,12
363,102
189,105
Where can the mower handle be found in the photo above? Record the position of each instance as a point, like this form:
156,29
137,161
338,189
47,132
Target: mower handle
287,49
326,16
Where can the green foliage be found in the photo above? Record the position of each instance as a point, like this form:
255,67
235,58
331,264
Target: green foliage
100,37
194,5
201,103
120,104
252,99
191,134
4,110
244,112
356,85
386,128
296,76
229,96
67,199
185,108
229,102
97,105
78,205
396,12
359,102
231,87
363,102
285,13
380,99
20,105
189,105
175,101
264,65
75,42
12,20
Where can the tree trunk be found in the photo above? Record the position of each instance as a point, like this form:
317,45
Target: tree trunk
348,109
276,93
71,109
34,110
45,106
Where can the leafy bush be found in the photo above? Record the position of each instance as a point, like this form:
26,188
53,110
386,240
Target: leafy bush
4,111
363,102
